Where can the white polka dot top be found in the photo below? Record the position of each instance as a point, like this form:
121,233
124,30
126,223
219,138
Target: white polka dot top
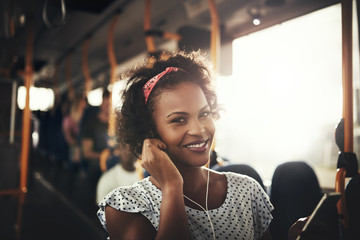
245,213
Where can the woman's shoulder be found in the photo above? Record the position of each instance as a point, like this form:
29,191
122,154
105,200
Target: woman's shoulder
122,225
237,180
124,197
137,198
233,176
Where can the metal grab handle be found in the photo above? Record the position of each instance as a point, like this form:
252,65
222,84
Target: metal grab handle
63,14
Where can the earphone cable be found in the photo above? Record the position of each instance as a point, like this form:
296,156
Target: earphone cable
206,204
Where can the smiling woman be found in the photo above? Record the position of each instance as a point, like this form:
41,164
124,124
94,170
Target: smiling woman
167,118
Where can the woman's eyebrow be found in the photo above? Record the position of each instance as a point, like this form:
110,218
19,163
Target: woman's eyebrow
177,113
204,107
186,113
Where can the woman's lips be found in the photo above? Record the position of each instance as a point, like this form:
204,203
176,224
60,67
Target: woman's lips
198,146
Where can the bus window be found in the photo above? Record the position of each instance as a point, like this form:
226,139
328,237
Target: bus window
284,98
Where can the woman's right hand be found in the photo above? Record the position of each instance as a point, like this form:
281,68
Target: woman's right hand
159,165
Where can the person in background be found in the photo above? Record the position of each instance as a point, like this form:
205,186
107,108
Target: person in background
123,173
71,129
94,139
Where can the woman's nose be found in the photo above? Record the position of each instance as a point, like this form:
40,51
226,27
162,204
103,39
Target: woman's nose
196,128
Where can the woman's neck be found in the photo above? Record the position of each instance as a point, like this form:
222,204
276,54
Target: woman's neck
195,180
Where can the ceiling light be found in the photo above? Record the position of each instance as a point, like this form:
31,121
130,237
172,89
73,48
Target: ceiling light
256,21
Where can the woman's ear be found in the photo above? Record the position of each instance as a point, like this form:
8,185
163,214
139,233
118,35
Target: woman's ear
161,145
154,135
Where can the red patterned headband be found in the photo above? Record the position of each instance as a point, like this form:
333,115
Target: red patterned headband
149,85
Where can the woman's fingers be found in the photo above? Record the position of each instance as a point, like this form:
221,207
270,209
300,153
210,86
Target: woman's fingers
153,157
155,142
156,161
153,151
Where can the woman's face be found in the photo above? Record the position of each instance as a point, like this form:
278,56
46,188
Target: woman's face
184,123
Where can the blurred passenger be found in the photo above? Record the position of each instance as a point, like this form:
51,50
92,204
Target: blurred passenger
94,139
71,129
58,150
122,174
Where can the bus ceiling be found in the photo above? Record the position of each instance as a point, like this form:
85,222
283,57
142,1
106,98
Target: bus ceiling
63,30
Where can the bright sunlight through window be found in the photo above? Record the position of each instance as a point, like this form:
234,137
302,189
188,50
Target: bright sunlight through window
285,96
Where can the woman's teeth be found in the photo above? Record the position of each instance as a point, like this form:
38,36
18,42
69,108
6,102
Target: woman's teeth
199,145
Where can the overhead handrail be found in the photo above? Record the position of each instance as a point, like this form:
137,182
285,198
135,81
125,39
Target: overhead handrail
70,87
63,14
85,66
214,41
151,33
113,65
150,43
56,82
105,154
215,35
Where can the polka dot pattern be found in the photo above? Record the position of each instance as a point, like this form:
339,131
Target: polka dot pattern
245,213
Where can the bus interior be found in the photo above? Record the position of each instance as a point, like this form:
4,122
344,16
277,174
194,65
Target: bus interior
287,78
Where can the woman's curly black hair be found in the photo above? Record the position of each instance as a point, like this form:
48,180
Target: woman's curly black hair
134,120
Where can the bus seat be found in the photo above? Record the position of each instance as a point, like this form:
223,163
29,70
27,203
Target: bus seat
295,192
242,169
352,195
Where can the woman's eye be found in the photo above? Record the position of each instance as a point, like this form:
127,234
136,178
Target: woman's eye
178,120
205,114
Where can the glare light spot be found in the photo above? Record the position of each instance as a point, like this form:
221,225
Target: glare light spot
256,21
40,98
95,97
35,138
22,19
117,90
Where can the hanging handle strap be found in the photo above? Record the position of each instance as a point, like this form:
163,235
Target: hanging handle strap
63,14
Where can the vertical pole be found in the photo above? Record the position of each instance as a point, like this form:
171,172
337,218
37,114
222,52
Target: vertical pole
26,112
346,25
214,41
12,114
346,15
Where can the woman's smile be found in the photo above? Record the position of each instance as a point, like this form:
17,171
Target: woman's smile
198,146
